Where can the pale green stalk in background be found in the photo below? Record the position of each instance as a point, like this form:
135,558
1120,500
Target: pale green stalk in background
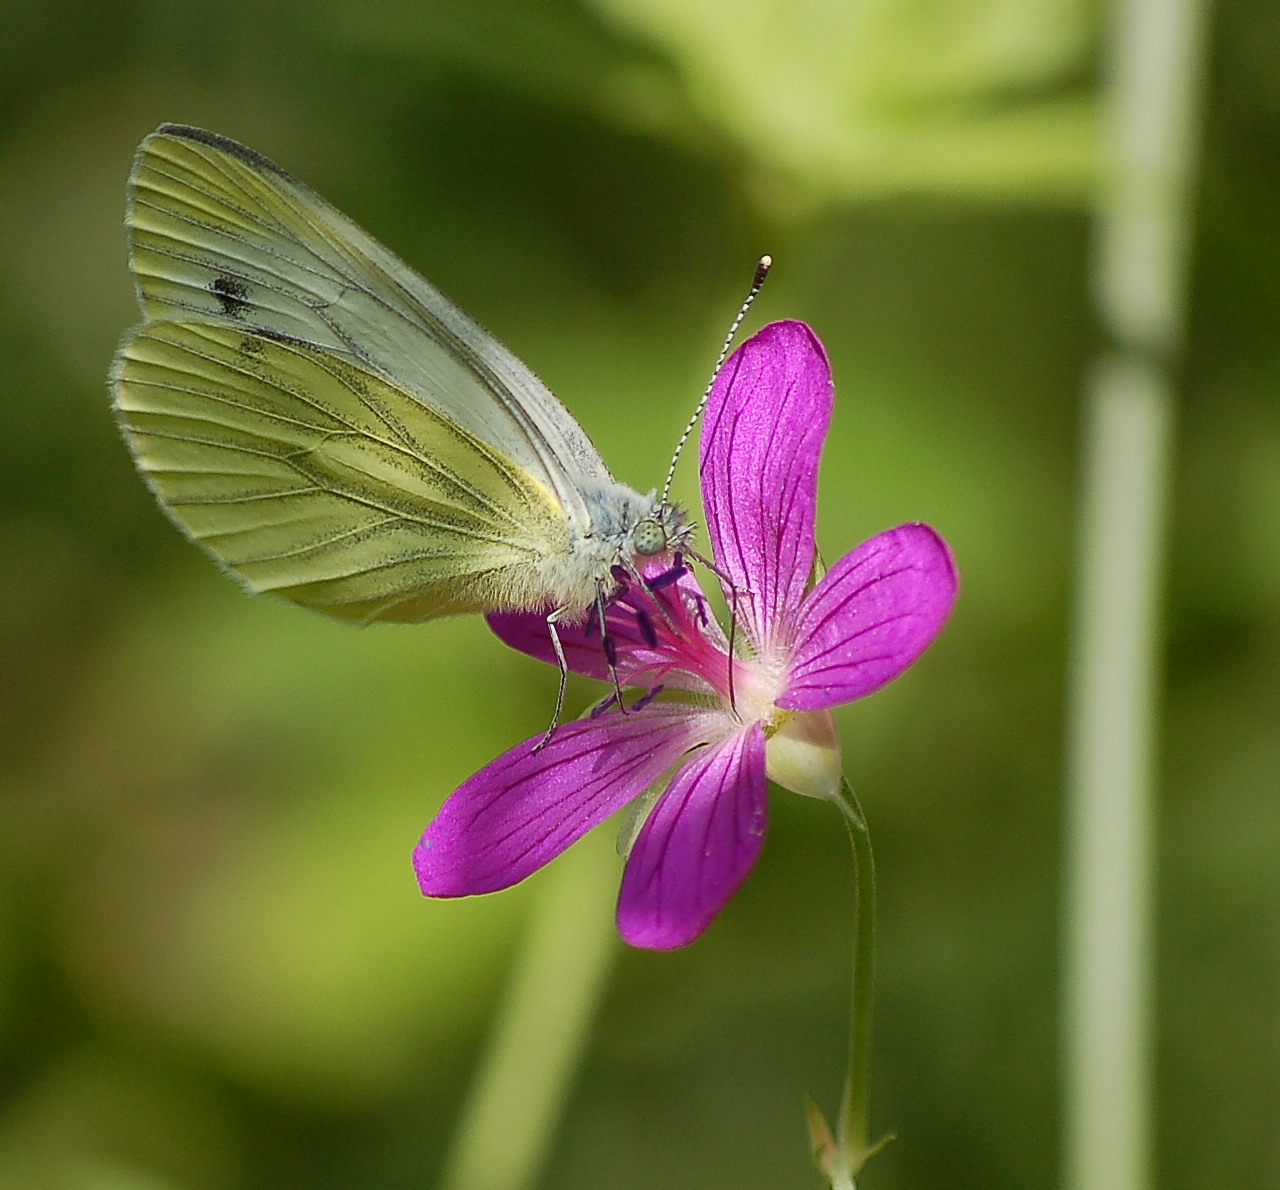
1151,100
518,1095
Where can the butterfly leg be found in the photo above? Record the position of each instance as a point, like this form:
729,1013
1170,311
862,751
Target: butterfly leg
652,585
564,679
734,593
610,649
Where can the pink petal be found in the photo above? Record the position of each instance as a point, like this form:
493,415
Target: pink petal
698,844
523,809
873,614
761,442
528,632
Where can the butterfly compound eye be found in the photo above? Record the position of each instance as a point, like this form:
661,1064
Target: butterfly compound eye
649,537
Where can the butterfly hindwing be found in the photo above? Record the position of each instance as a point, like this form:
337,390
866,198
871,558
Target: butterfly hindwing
310,475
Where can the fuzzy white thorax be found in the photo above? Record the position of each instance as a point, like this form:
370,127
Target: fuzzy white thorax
621,528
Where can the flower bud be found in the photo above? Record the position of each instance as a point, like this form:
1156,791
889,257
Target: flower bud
803,754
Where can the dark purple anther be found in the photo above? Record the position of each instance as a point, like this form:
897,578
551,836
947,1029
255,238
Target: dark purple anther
645,699
666,578
600,708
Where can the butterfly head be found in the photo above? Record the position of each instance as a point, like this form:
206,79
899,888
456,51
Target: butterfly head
627,528
662,528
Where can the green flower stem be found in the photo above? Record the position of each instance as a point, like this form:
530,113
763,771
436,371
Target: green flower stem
842,1157
519,1091
854,1133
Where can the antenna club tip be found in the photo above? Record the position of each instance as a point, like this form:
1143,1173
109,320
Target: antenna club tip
762,270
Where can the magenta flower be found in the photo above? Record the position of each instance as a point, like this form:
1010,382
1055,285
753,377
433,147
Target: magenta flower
726,723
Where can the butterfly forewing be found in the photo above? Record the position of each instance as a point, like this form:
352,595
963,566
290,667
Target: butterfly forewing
222,235
311,475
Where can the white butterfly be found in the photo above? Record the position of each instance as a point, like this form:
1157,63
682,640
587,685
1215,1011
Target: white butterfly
333,429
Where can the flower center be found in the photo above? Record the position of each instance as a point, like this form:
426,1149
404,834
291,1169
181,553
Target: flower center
754,692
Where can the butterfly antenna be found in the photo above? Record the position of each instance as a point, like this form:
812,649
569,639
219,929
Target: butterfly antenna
762,271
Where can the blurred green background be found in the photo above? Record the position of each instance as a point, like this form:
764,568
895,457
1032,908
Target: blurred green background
216,972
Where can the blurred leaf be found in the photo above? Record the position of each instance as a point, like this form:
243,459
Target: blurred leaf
837,101
551,50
